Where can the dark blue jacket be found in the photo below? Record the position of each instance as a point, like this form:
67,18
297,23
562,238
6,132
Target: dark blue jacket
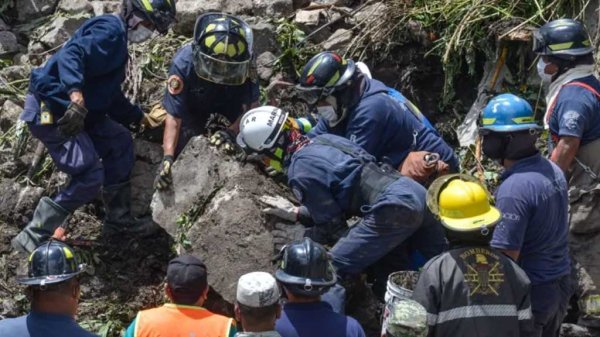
93,61
325,179
200,98
385,128
315,320
37,324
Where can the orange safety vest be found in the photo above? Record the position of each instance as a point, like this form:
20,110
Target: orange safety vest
172,320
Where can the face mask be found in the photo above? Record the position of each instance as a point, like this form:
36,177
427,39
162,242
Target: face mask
140,34
541,66
329,111
493,147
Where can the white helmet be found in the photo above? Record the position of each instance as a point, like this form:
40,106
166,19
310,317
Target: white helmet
260,127
364,69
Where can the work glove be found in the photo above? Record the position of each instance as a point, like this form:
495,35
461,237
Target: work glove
164,179
155,118
280,207
286,233
420,165
73,121
225,140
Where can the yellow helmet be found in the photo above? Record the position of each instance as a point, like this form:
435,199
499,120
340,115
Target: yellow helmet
462,203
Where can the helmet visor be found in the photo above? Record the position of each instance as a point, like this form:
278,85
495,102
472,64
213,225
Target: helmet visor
220,71
312,95
539,43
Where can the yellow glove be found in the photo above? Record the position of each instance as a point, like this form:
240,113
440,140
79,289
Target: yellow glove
155,118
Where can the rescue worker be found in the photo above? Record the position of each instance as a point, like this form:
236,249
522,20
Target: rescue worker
566,64
257,305
533,198
187,289
334,179
354,106
73,105
213,75
53,288
305,273
472,289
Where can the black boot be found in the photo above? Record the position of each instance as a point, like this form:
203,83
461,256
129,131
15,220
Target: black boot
118,218
47,217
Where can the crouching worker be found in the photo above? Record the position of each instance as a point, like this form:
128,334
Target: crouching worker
257,305
187,288
53,287
471,290
333,178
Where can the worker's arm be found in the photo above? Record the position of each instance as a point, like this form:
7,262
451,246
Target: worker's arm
513,254
171,135
565,152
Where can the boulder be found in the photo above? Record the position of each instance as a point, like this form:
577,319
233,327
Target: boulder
21,59
8,43
223,222
338,40
100,7
13,73
32,9
189,10
9,115
3,25
273,8
60,30
18,202
308,20
371,13
264,64
75,6
147,159
264,37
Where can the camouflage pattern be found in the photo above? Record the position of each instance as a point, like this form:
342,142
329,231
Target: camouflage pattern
407,319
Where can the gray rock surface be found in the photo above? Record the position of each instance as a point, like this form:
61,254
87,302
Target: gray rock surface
147,159
264,36
225,226
273,8
18,202
103,7
75,6
60,30
13,73
3,25
9,115
338,40
8,43
31,9
265,62
301,3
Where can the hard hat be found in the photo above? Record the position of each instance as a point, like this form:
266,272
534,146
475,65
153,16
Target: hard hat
260,127
305,268
160,12
51,262
563,38
407,318
462,203
364,69
508,113
325,73
222,48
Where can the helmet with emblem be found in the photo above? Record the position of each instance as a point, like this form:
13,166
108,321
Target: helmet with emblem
51,262
324,74
464,206
261,127
160,12
407,318
222,49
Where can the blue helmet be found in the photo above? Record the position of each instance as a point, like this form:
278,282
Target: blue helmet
508,113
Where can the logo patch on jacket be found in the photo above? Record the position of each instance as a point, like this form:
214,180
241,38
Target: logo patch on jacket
174,85
483,273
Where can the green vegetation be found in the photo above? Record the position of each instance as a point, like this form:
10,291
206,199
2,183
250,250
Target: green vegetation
296,51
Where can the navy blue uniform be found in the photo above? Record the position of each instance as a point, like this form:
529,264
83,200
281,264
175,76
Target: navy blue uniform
199,98
534,203
315,319
92,61
37,324
325,179
386,128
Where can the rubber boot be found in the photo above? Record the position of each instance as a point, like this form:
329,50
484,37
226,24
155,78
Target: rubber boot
47,217
118,218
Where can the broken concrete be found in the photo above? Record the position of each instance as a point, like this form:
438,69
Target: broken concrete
338,40
8,43
9,115
264,65
75,6
61,30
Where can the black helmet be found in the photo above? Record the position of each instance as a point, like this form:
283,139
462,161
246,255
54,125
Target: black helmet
222,48
51,262
325,73
160,12
305,268
563,38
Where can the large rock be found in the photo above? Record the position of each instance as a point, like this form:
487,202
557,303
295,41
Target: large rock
8,43
60,31
104,7
224,226
14,73
31,9
264,65
18,202
147,159
308,20
189,10
9,115
75,6
264,36
338,40
273,8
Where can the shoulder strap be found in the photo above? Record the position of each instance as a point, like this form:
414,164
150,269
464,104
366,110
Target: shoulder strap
572,84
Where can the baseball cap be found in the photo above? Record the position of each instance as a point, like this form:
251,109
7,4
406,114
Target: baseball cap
186,276
257,290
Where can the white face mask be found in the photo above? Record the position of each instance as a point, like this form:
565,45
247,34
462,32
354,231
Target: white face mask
541,66
140,34
329,112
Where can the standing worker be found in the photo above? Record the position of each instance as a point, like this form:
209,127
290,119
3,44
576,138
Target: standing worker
54,290
257,305
573,102
471,290
212,75
533,198
356,107
72,105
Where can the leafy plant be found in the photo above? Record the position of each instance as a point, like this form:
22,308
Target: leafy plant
296,51
184,223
